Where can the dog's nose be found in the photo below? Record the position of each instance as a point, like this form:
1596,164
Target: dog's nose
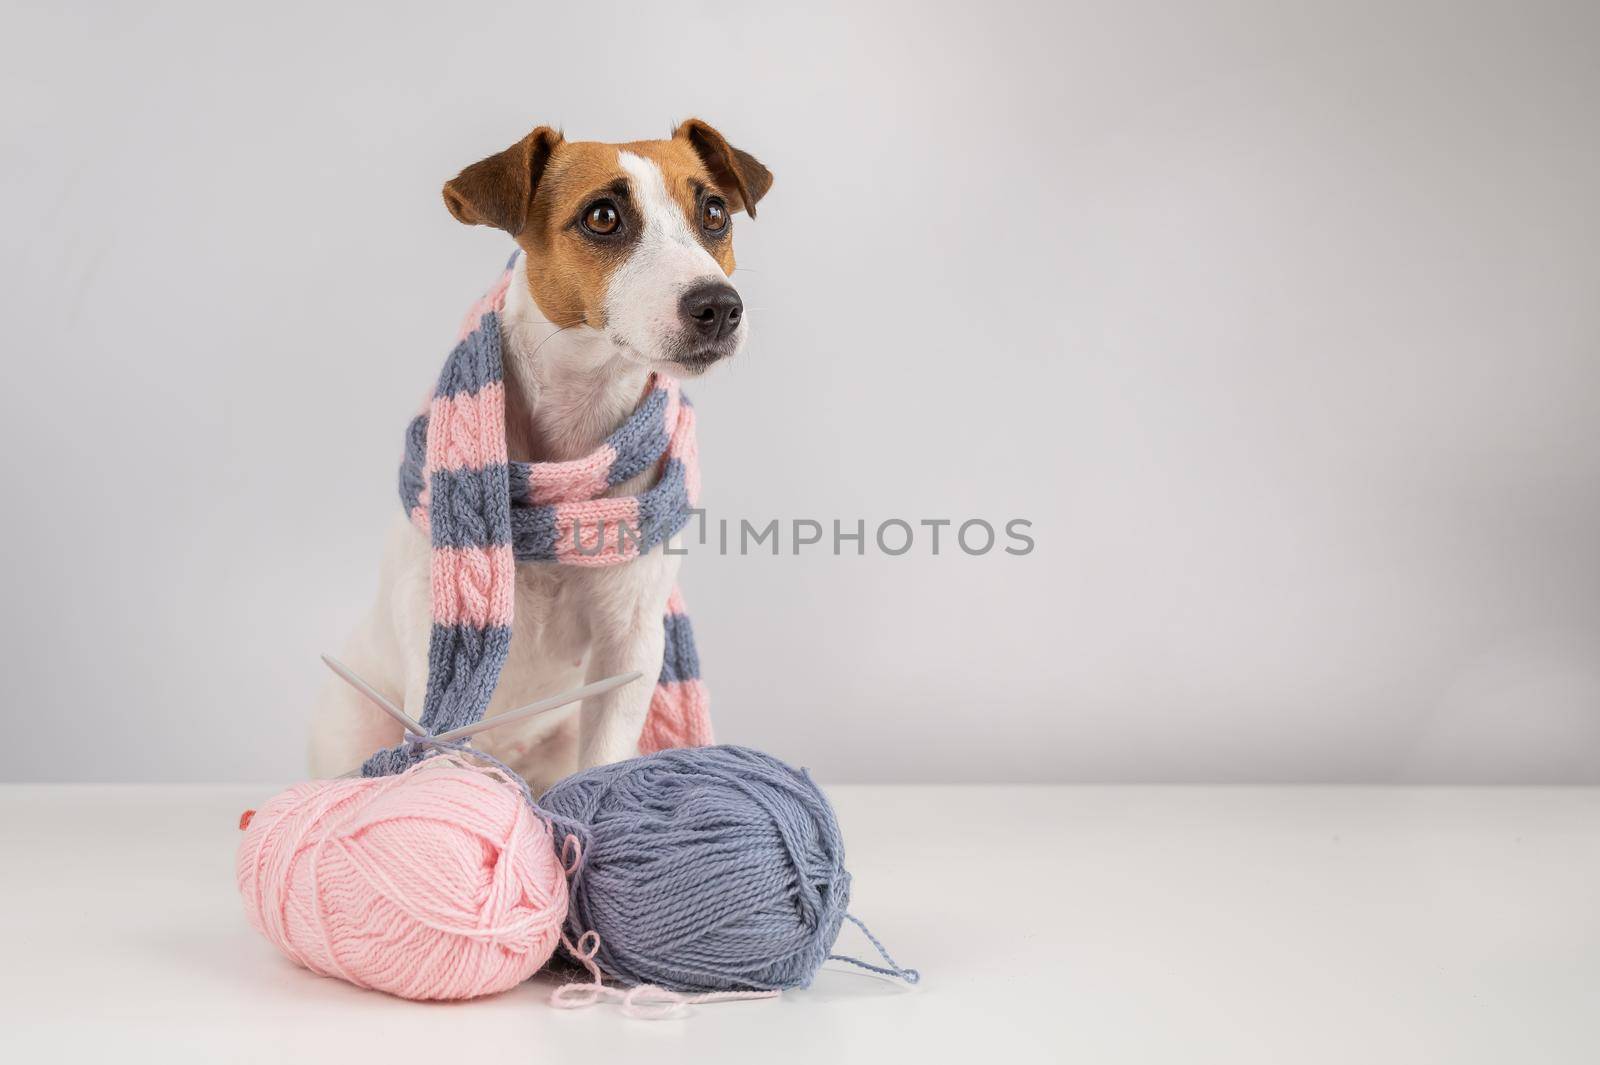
713,309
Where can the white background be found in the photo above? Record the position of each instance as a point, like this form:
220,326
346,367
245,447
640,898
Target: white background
1279,323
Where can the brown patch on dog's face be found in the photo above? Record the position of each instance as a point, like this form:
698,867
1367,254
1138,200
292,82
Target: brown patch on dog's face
589,221
569,264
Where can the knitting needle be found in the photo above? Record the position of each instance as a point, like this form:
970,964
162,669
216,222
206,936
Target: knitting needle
533,709
345,674
599,687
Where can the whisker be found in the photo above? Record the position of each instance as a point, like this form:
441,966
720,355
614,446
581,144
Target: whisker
552,336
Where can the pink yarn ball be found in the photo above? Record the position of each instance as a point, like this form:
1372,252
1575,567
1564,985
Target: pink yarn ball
438,883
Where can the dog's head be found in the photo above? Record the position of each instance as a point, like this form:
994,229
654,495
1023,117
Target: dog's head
634,240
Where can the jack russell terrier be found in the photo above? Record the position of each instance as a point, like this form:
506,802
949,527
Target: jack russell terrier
622,279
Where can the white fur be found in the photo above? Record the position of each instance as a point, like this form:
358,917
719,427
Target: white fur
572,624
642,302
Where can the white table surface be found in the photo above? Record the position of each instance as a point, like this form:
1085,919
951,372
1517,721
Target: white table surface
1084,924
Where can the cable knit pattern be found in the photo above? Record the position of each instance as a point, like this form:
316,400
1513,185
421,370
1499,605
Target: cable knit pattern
483,514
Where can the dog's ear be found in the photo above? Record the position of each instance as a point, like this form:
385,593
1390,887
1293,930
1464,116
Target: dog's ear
739,175
498,191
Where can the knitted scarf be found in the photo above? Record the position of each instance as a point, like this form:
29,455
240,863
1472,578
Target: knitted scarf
483,514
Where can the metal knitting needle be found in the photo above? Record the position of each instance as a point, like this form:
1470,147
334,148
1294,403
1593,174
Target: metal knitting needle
599,687
534,709
349,677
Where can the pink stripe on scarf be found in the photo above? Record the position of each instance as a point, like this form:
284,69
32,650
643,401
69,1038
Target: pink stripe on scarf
686,448
473,585
565,482
467,431
680,716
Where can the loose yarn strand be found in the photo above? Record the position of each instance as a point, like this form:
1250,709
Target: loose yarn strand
645,1002
910,976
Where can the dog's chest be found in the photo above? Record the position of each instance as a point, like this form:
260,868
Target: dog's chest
562,613
561,610
551,623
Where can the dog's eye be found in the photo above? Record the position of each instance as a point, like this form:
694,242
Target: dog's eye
601,218
714,216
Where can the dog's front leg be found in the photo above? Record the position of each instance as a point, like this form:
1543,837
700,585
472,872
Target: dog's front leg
609,725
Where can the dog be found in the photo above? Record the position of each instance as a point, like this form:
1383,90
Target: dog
625,266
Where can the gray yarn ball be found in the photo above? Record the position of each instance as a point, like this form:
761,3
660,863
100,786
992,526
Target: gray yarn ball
705,869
